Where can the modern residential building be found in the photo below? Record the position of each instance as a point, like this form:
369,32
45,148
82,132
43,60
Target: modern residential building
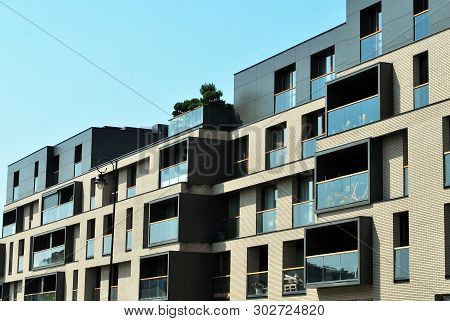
327,181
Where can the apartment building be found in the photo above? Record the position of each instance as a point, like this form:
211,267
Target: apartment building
327,181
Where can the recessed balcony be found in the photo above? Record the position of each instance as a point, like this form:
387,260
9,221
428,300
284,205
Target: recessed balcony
49,249
62,203
45,288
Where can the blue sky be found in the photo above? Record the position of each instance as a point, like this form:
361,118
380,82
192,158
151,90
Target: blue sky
162,49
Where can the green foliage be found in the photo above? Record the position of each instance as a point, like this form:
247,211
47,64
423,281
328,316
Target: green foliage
210,96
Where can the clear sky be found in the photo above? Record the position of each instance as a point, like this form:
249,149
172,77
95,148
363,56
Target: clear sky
162,49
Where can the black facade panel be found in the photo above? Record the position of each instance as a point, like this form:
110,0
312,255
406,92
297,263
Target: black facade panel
69,248
376,170
78,198
2,260
60,286
5,292
365,250
385,88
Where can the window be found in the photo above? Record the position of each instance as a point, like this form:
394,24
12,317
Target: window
420,19
293,267
230,224
75,286
221,276
92,195
42,288
173,164
115,283
442,297
54,172
20,261
447,239
59,205
11,257
129,230
401,247
370,32
36,176
240,157
421,79
276,146
322,71
163,221
131,180
257,271
312,128
107,234
266,219
97,289
154,273
303,207
16,186
90,242
78,160
49,249
285,80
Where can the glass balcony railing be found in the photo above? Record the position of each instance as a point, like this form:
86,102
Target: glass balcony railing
153,288
36,184
131,192
276,157
266,221
174,174
257,284
293,280
354,115
52,256
405,181
15,193
107,245
343,190
186,121
90,248
163,231
77,169
92,203
129,241
57,213
447,169
319,85
221,288
401,263
114,293
309,148
371,46
303,214
421,25
284,100
49,296
20,265
9,230
336,267
421,96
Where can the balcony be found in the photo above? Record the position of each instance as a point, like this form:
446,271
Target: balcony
293,281
257,285
335,267
309,148
276,158
49,296
57,213
401,271
343,190
284,100
49,257
319,85
90,244
421,25
371,46
163,231
107,245
354,115
186,121
154,288
9,230
421,96
131,192
221,288
303,214
174,174
266,221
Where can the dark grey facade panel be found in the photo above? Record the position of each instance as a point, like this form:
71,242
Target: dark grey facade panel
2,259
439,15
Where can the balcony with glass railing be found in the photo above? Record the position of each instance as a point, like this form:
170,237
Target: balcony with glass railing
47,296
353,115
266,221
49,257
319,85
154,288
90,246
129,241
276,157
20,263
9,229
303,214
421,25
284,100
401,270
332,267
174,174
107,245
221,287
257,284
343,190
293,281
163,231
371,46
57,213
186,121
131,191
421,96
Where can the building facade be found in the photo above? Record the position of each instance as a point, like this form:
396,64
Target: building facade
328,181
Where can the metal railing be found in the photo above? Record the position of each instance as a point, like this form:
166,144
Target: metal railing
332,267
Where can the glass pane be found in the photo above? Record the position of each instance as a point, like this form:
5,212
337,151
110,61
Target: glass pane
129,241
266,222
421,26
405,181
309,148
107,242
48,257
447,169
164,231
186,121
293,281
276,158
285,101
77,169
349,266
332,267
371,47
131,192
92,203
257,285
315,272
57,213
50,201
402,264
90,248
221,288
9,230
421,96
155,289
304,214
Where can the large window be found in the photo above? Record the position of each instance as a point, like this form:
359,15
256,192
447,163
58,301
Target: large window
131,180
322,71
266,218
78,160
293,267
230,224
90,239
240,157
303,202
221,276
421,79
49,249
257,271
285,80
42,288
370,32
174,164
16,186
58,205
276,146
129,230
108,226
163,221
312,129
36,177
401,247
154,276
